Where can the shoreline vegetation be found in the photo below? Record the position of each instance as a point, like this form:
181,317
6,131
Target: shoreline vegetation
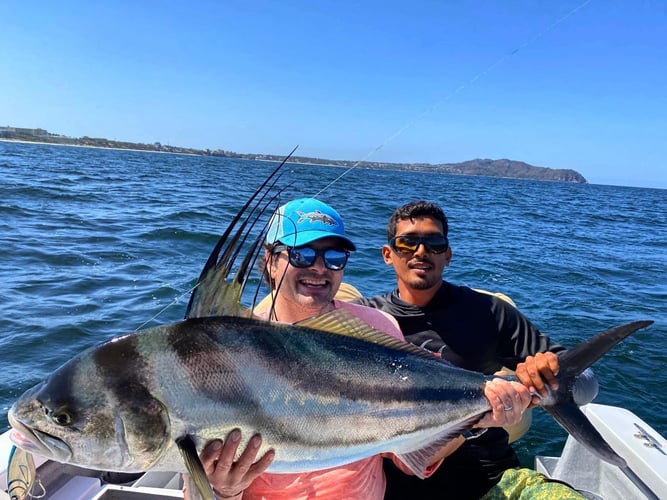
478,167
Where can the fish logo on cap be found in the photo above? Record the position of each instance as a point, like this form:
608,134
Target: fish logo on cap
316,216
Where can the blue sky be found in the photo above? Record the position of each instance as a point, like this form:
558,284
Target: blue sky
564,84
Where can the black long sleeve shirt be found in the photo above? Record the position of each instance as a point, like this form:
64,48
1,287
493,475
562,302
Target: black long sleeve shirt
479,332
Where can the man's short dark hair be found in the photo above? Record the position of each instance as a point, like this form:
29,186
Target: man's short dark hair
413,210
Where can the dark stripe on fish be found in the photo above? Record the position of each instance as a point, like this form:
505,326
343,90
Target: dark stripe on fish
211,369
120,365
284,347
127,374
298,355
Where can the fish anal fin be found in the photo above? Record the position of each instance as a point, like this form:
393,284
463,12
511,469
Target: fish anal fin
202,487
418,461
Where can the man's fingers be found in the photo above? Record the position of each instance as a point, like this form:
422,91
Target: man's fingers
229,477
547,364
553,362
504,399
534,375
229,448
522,395
534,402
249,455
538,369
259,467
210,454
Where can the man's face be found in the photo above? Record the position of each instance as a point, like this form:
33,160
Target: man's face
306,291
421,269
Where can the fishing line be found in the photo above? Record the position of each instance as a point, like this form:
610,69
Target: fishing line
414,120
456,91
171,304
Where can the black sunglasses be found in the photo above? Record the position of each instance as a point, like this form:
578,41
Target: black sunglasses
306,256
409,244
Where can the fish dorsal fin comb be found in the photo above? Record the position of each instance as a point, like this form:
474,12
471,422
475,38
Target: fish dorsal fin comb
217,293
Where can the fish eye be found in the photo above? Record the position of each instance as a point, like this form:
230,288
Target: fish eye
62,417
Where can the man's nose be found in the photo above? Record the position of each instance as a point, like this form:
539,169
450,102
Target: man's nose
420,250
319,262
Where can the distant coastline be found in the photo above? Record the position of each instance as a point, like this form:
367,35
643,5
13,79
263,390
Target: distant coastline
478,167
51,143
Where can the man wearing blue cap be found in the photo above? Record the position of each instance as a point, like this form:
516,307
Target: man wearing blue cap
306,252
299,233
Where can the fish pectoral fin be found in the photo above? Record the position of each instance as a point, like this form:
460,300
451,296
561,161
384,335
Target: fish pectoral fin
190,488
186,446
418,461
342,322
572,419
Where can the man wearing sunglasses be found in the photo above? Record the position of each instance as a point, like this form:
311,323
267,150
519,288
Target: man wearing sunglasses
306,252
473,330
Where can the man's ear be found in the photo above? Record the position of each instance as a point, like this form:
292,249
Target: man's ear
448,256
271,264
387,255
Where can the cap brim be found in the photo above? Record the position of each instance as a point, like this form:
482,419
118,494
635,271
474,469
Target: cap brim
306,237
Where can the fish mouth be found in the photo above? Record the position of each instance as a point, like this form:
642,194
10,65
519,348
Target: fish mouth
38,442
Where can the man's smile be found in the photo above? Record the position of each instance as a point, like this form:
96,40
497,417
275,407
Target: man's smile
420,265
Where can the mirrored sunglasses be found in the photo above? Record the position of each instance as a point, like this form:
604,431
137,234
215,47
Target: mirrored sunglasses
409,244
302,257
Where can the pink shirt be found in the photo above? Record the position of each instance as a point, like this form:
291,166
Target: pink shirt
377,319
361,480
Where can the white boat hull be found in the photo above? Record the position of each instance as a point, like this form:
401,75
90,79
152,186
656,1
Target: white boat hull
639,444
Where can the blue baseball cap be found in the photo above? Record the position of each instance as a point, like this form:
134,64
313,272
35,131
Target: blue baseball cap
305,220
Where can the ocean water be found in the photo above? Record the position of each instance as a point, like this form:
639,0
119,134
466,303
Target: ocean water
96,243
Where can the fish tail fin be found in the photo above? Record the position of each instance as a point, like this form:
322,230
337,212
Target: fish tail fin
574,361
560,404
573,420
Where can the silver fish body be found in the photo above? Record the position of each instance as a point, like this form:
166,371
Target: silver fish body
319,399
